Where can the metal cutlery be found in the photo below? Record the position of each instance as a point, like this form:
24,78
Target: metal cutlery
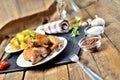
90,73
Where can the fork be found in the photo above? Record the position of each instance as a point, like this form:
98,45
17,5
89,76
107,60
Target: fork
90,73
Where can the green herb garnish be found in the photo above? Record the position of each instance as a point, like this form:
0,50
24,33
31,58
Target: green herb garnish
75,31
33,35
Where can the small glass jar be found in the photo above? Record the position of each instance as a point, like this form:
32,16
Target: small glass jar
90,43
92,40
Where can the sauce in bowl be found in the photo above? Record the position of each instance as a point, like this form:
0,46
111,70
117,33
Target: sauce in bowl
90,43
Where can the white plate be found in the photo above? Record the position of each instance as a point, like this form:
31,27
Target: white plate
7,49
23,63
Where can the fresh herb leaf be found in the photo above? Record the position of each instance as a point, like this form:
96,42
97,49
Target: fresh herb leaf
32,35
75,31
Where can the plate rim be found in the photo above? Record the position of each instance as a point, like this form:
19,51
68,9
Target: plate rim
44,60
11,51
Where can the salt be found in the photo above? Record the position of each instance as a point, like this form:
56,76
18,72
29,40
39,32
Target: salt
95,30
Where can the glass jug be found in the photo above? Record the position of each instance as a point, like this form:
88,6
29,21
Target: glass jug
68,10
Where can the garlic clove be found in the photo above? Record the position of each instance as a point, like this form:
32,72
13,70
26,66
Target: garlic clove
98,22
84,24
89,21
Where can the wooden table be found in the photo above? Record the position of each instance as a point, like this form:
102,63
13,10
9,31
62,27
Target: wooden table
105,63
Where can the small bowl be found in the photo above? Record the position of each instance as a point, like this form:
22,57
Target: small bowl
90,43
97,30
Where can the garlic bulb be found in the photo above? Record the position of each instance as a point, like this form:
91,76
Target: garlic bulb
98,22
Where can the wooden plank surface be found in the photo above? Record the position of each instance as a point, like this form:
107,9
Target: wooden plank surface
34,75
76,73
2,47
13,76
113,32
56,73
62,72
107,60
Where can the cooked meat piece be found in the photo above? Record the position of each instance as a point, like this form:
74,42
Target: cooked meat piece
42,40
35,54
44,51
55,42
41,47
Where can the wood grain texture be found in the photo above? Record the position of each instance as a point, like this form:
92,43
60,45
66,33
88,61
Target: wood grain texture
51,74
56,73
34,75
107,60
62,72
2,76
76,73
113,5
113,31
14,76
2,47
